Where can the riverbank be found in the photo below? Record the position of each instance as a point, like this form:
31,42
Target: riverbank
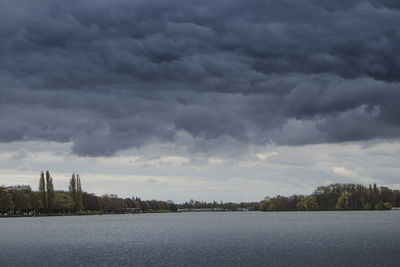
89,213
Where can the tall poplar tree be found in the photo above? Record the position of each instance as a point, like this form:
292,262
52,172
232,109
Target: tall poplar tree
75,190
72,189
50,192
42,191
79,204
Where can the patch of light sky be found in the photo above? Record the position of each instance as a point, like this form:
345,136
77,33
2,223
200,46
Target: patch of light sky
168,172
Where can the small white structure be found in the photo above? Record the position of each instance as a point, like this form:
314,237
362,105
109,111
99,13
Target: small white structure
19,187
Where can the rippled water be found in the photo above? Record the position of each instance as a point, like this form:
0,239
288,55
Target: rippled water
204,239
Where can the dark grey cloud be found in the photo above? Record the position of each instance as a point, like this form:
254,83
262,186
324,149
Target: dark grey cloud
110,75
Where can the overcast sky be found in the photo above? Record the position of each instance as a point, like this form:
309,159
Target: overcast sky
226,100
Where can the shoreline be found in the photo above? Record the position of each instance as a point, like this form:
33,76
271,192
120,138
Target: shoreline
177,212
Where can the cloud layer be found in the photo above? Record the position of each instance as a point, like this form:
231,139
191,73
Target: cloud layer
112,75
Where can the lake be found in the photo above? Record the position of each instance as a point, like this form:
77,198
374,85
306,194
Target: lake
204,239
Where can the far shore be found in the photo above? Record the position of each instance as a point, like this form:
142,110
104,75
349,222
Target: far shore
178,212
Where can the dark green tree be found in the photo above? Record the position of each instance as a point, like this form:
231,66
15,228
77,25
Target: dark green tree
396,198
50,192
6,203
21,199
91,202
78,202
306,203
42,192
72,190
265,205
36,203
343,202
75,190
63,202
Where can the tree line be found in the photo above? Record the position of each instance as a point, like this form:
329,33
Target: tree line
194,204
49,201
75,201
337,197
44,201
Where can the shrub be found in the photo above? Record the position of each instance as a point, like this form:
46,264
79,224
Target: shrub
387,206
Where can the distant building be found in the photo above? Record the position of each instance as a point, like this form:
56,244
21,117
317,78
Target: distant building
19,187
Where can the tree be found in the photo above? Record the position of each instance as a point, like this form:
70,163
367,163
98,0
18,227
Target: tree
42,192
78,202
379,206
308,203
36,203
265,205
343,202
6,202
91,202
386,194
396,198
21,199
50,192
367,206
376,199
72,189
387,206
63,202
75,190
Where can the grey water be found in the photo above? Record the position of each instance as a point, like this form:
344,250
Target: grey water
204,239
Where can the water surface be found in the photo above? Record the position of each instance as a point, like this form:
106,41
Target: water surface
204,239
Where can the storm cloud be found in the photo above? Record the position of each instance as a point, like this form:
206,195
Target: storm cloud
113,75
